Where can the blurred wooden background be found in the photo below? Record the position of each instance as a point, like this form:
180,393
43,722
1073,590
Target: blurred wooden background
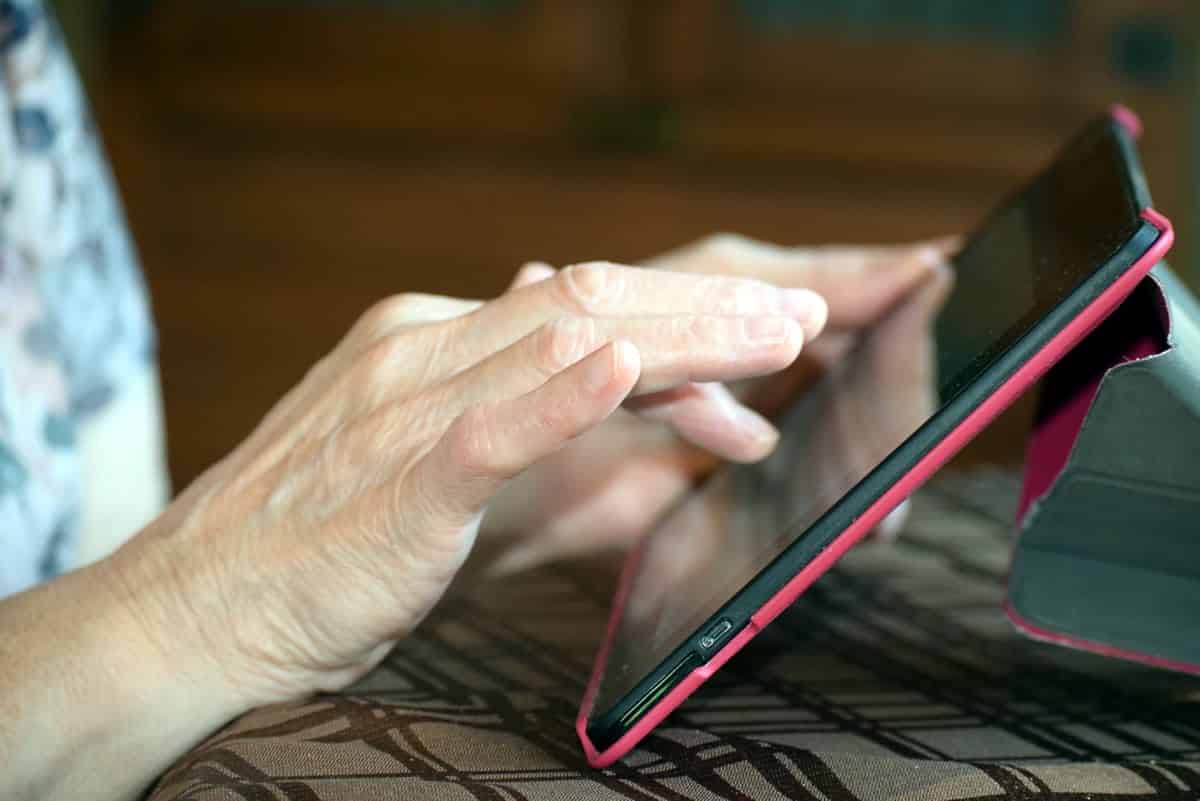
284,164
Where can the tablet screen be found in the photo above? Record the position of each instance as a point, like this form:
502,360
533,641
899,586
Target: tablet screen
1025,259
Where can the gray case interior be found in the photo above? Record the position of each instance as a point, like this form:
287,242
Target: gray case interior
1108,556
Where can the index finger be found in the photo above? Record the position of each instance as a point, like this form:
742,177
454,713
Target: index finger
602,289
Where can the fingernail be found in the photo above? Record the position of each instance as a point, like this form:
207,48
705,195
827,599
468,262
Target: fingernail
602,366
609,362
807,308
531,273
800,303
625,356
768,330
753,424
930,256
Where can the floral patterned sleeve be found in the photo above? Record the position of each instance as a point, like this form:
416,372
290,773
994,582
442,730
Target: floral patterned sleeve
74,318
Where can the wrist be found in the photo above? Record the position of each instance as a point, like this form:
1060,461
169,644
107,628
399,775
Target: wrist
164,636
163,674
88,690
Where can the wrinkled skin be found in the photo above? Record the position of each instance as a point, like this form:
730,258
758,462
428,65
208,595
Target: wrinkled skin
608,486
559,418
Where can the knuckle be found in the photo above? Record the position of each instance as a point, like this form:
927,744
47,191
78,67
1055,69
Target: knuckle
592,287
560,343
726,252
533,270
378,363
724,243
405,433
392,311
472,442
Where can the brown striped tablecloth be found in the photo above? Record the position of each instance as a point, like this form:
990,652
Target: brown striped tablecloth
895,677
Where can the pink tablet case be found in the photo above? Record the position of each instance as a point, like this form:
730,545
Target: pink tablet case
1019,382
1059,345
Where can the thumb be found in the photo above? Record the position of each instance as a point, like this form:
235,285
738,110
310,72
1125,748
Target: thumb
531,273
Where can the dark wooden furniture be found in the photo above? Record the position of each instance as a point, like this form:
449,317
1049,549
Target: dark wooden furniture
285,164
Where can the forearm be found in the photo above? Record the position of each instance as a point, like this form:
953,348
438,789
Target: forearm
89,707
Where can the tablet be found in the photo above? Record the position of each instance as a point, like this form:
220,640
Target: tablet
1041,271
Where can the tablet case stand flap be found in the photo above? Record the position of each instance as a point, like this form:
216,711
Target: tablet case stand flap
1108,554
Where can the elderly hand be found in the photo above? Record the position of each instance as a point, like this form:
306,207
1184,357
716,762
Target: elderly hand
606,488
292,565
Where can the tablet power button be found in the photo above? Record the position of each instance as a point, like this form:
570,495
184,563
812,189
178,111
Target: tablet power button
714,635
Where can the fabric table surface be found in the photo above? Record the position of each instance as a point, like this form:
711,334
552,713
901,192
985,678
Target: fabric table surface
896,676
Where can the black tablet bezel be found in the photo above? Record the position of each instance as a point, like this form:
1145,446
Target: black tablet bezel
605,727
